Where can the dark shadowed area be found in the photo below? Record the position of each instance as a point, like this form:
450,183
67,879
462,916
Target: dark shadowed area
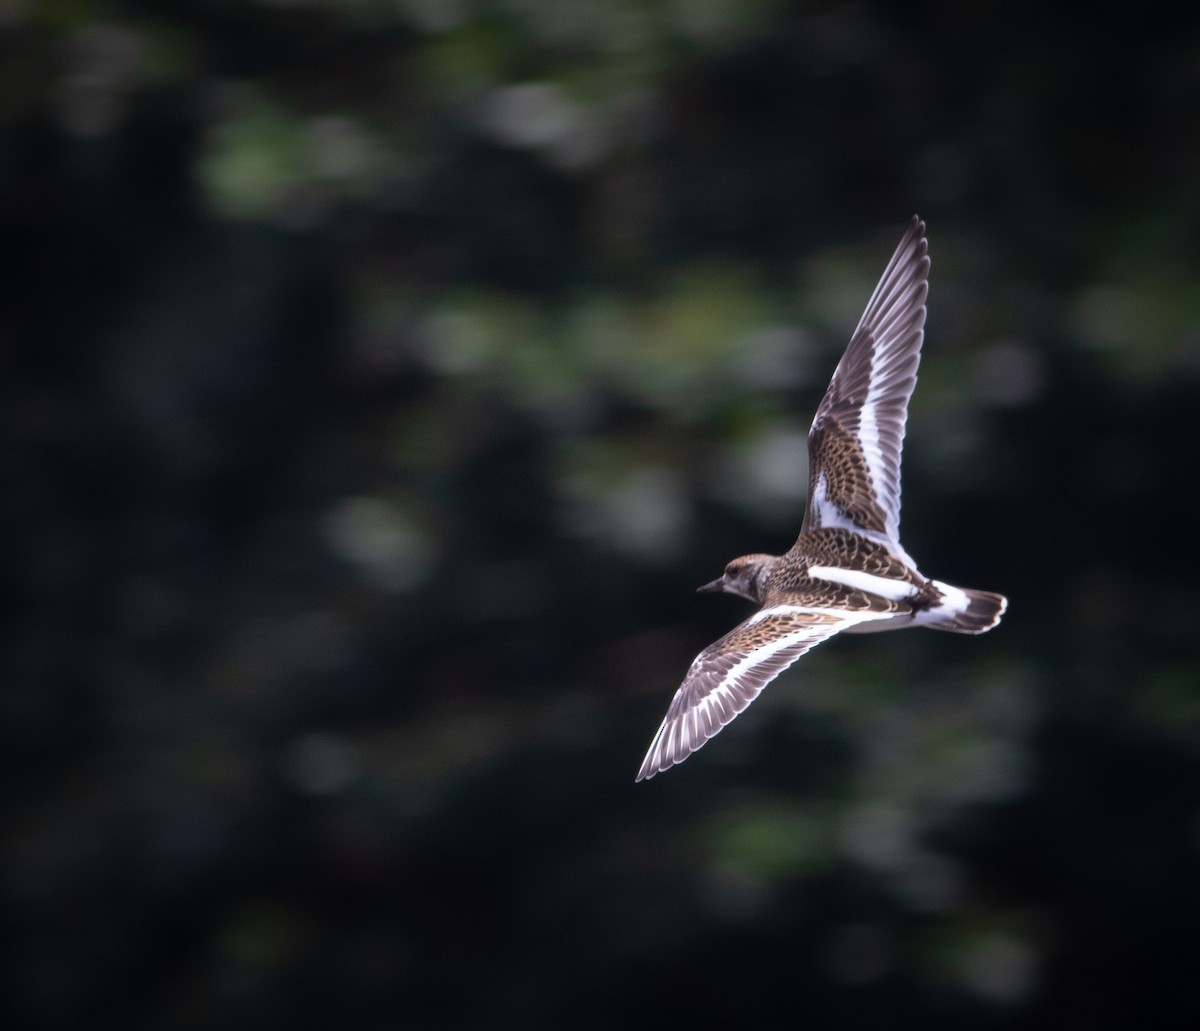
380,379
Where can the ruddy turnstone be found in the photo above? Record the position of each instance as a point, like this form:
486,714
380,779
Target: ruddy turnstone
847,569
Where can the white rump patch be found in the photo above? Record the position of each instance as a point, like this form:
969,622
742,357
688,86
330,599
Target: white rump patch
952,597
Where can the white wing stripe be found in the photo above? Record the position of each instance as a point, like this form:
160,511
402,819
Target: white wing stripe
764,652
868,433
884,587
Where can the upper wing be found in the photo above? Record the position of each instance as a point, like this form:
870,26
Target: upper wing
855,440
730,673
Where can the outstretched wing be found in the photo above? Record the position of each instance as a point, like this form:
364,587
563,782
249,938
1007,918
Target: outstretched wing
730,673
855,441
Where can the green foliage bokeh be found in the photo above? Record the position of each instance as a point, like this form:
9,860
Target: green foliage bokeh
381,379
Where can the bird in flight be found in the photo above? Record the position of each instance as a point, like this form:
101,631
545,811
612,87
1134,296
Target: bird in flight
847,569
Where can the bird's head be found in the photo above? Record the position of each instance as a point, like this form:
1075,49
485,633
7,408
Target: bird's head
743,577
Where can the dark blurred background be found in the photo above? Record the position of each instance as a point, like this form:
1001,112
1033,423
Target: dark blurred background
381,378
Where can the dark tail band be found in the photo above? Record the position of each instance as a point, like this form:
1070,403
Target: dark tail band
983,612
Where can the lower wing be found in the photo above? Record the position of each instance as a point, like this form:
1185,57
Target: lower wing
730,673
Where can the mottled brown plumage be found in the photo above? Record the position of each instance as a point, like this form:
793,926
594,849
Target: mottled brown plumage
847,569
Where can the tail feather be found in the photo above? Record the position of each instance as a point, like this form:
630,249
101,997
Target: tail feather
964,610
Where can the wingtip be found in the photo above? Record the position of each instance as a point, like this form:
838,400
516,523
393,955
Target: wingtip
653,762
663,754
650,769
919,242
916,230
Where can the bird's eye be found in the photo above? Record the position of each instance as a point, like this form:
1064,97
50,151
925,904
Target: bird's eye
732,570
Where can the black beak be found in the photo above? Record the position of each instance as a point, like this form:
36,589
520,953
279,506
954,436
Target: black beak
717,585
